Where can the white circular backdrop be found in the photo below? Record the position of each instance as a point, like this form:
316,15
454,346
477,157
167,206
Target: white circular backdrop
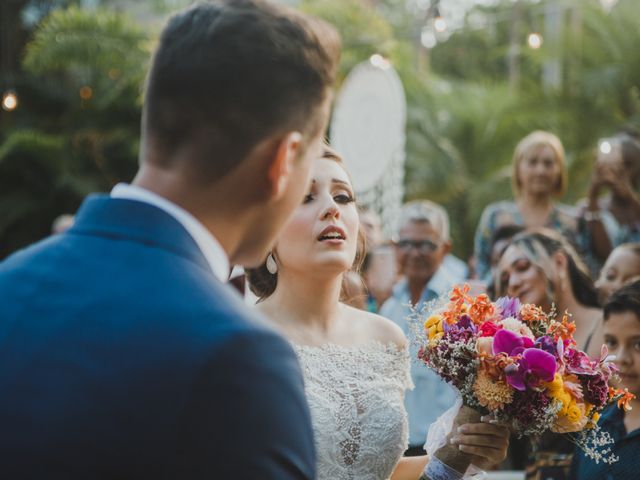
368,124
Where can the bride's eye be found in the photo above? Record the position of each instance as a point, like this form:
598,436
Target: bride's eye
343,198
307,198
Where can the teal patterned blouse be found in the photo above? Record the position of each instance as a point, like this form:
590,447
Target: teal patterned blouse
563,218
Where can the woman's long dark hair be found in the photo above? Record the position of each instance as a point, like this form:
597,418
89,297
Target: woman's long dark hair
542,242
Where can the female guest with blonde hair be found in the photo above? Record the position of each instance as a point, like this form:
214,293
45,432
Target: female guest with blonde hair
539,177
355,363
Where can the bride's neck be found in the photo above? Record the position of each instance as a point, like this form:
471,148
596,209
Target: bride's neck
305,301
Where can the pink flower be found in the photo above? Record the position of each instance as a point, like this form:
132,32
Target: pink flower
489,329
534,366
506,341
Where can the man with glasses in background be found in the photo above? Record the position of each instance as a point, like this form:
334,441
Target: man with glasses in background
421,245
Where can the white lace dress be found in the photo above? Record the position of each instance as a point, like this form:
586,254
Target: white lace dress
356,397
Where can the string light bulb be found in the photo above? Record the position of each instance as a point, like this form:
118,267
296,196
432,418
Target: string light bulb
534,40
379,61
439,23
9,100
605,147
85,92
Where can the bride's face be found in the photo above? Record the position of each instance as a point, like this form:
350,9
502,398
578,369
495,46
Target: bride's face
323,231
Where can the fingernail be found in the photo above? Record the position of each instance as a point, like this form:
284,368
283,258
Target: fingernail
454,440
462,429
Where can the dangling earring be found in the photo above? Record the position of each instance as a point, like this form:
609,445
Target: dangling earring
272,266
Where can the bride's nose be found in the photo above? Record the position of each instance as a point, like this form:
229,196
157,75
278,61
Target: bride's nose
331,210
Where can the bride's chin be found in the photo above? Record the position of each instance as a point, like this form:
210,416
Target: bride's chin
334,265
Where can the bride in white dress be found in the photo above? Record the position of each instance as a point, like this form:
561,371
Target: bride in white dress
355,364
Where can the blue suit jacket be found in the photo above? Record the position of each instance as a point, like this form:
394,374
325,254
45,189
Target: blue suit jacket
122,356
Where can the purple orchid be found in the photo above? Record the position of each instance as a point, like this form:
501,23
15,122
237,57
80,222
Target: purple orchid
509,307
534,364
506,341
548,344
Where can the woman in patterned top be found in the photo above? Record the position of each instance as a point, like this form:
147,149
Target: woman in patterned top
538,177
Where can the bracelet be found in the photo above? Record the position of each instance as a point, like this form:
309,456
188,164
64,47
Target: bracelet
436,470
592,216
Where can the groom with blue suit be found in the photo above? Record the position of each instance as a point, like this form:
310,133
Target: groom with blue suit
123,353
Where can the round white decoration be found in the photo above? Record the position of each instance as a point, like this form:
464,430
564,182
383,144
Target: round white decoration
368,124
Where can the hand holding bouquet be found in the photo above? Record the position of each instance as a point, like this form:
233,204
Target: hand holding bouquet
520,365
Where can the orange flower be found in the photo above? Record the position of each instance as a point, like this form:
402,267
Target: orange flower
481,309
532,313
625,398
564,329
494,366
456,307
459,295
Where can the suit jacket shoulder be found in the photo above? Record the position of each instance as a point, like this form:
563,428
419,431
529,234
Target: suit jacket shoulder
121,355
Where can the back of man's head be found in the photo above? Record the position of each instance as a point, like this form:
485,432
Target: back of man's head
230,74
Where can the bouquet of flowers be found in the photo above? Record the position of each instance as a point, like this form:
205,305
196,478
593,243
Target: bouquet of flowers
521,365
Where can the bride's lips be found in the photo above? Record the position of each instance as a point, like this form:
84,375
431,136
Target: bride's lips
332,235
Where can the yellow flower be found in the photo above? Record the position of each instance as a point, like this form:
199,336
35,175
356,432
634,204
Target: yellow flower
434,327
587,408
574,413
556,385
433,320
490,393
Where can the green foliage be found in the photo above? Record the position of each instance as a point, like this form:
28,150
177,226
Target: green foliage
80,119
363,30
464,122
100,49
465,115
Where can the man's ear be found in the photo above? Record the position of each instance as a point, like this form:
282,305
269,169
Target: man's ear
282,163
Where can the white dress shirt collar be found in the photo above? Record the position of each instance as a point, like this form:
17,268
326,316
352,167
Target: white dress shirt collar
209,246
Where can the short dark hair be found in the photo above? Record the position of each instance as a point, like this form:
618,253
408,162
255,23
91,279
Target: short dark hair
627,299
229,74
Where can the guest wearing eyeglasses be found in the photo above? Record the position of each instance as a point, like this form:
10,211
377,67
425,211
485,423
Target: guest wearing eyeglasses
421,245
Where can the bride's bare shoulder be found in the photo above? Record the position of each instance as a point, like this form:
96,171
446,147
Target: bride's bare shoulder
377,327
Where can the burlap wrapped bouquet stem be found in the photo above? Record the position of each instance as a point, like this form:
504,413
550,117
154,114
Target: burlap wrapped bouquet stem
451,455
